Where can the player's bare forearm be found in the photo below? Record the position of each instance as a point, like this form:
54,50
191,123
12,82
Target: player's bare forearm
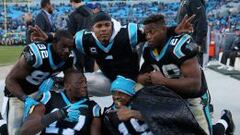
33,124
37,121
144,79
18,72
188,85
96,126
15,89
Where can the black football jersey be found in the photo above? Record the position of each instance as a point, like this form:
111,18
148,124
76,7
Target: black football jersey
113,126
175,52
44,65
169,60
119,57
56,100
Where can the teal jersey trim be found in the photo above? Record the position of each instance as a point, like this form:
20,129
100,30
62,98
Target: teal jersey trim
46,97
69,103
102,47
162,53
205,99
53,66
78,41
96,110
37,54
132,33
177,49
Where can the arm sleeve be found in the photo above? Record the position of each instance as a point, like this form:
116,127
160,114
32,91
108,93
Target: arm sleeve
79,41
146,66
200,21
29,56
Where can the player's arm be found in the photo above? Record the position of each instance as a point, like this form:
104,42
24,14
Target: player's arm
96,126
39,35
200,21
144,76
96,122
20,70
37,121
188,85
125,114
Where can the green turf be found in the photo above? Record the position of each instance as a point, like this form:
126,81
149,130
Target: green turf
9,54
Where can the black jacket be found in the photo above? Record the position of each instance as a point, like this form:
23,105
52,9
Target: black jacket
236,44
197,7
79,19
43,22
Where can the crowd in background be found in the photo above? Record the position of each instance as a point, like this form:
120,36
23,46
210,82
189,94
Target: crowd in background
221,15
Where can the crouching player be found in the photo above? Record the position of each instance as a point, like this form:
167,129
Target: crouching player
119,118
172,62
67,112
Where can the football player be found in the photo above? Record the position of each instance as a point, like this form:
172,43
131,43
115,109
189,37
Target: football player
113,46
38,62
68,111
120,118
172,62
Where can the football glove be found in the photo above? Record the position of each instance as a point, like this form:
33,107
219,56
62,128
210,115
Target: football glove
72,112
28,104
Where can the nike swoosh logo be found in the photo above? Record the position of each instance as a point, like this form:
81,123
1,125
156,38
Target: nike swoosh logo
199,7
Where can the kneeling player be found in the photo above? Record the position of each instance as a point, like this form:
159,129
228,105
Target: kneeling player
172,62
67,112
119,118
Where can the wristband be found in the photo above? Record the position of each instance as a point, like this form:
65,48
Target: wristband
50,37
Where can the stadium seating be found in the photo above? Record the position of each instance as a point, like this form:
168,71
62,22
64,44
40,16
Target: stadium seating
221,13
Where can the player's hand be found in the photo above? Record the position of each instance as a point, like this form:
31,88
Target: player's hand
144,79
72,112
185,26
157,78
37,34
28,105
124,113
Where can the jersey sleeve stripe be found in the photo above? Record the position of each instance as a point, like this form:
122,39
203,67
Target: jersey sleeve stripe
78,41
132,32
96,111
46,97
38,57
177,49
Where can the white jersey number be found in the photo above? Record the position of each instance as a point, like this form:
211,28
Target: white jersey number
137,127
52,128
37,77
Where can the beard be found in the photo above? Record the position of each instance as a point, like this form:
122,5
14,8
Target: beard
50,11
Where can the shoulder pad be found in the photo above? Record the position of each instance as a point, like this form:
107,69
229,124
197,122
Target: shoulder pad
180,44
34,49
79,40
133,34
